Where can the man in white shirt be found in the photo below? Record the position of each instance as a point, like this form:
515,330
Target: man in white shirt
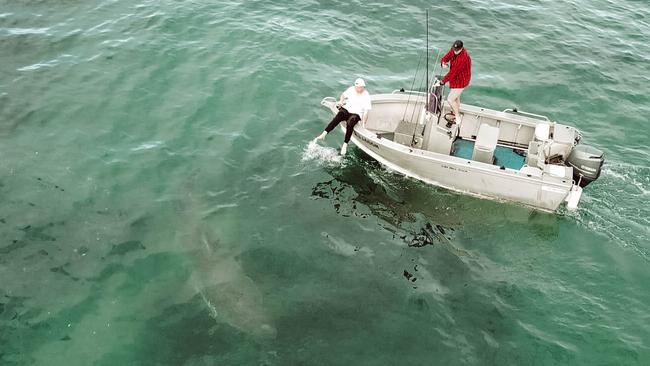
353,106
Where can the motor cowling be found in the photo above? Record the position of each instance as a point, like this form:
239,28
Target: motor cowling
587,162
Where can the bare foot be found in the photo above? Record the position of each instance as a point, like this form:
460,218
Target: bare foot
321,136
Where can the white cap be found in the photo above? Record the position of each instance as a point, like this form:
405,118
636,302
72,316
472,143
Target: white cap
359,82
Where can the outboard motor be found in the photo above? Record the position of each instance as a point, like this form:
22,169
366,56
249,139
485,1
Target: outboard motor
586,162
435,98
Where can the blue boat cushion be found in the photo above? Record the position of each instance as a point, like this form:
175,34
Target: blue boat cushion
504,156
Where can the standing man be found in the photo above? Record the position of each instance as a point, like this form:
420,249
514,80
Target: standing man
353,106
458,77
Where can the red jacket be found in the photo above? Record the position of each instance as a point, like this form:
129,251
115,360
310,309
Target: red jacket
460,71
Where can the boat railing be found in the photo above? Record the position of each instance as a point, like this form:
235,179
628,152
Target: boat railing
329,102
402,91
528,114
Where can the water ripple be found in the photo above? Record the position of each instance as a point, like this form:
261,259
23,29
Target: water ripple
133,132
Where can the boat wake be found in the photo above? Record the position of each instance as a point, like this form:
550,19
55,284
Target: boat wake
613,208
323,155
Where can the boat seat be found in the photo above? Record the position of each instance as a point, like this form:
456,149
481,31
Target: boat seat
542,132
406,130
535,154
486,144
559,171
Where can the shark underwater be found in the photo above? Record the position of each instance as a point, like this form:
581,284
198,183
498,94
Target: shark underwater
229,294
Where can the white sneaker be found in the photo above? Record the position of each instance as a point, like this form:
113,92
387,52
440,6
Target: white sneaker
344,149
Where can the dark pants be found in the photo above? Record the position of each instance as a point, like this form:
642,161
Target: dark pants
344,115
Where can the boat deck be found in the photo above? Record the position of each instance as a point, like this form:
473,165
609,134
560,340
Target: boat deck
504,156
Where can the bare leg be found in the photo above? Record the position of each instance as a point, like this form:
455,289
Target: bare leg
454,102
455,106
344,148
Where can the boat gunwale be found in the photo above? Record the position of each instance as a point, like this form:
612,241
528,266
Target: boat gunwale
507,117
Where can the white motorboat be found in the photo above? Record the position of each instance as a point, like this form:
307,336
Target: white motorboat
505,155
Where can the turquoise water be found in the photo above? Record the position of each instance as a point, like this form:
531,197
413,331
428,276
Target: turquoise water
160,203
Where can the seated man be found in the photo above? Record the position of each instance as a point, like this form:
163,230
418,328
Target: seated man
353,106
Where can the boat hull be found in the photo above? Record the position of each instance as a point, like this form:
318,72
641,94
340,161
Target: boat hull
542,192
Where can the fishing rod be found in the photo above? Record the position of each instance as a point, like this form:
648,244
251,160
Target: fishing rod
430,92
420,87
408,101
426,86
434,65
442,91
427,53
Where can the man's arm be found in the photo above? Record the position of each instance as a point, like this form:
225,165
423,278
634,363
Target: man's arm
447,57
367,109
343,97
461,63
